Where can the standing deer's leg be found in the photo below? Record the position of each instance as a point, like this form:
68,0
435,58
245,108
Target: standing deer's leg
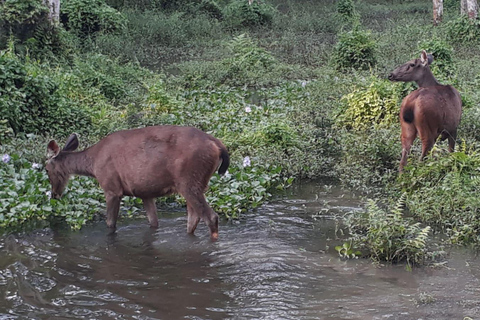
428,141
197,208
451,141
192,219
151,209
409,133
113,206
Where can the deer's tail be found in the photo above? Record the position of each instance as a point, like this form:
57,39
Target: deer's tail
225,159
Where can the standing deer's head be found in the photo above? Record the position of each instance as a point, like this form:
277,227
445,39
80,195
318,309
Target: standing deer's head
414,70
56,170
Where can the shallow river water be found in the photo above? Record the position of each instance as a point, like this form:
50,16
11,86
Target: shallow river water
276,263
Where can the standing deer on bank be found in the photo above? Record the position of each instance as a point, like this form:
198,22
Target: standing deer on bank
146,163
430,111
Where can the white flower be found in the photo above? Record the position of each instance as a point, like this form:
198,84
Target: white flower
227,175
49,194
246,161
304,83
36,165
248,109
6,158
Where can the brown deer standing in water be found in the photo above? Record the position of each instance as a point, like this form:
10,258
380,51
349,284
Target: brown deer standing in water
430,111
146,163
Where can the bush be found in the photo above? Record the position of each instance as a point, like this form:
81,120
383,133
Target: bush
87,17
31,102
346,9
375,106
355,49
210,8
442,54
20,18
463,30
388,235
27,22
239,14
246,59
443,191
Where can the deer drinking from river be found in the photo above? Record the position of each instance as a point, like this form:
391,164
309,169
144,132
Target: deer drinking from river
146,163
431,111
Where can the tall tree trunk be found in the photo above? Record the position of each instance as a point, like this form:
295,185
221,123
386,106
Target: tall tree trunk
54,7
437,11
469,8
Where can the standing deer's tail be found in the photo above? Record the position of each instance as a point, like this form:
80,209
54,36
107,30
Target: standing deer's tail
225,159
408,115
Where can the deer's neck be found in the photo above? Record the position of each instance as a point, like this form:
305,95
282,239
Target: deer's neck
79,163
428,80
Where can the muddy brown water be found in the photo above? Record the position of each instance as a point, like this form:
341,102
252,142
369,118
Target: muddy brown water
276,263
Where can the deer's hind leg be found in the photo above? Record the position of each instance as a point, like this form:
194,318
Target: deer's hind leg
198,209
428,141
409,133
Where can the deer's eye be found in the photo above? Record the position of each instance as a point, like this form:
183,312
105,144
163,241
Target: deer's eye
412,65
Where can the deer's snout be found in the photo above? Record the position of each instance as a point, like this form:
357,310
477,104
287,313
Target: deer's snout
391,77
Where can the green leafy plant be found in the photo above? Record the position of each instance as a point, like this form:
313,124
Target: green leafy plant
239,13
21,17
244,188
24,196
31,101
463,30
375,105
388,235
443,191
355,49
442,52
247,59
87,17
346,9
347,251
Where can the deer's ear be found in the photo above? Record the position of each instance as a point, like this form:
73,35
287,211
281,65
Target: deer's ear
52,149
72,143
430,58
424,58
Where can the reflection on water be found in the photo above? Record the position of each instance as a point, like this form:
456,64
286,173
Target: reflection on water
277,263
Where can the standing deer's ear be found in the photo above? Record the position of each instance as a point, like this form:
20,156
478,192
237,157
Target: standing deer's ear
430,58
426,58
72,143
52,150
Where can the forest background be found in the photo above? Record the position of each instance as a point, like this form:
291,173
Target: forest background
295,89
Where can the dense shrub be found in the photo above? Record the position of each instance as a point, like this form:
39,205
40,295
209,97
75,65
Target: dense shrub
210,8
346,9
86,17
20,18
442,52
31,102
246,58
372,106
463,30
27,22
240,14
355,49
443,191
